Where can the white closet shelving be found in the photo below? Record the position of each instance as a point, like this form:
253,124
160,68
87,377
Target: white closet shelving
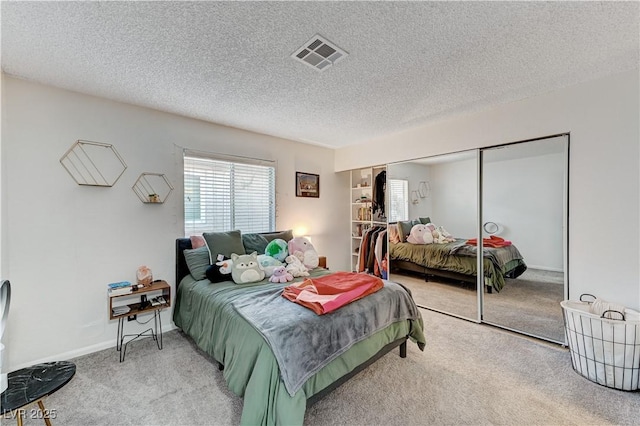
362,217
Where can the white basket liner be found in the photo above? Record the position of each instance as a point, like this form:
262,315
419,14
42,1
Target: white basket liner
605,351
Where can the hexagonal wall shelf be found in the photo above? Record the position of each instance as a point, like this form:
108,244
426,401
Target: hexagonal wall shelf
152,188
93,163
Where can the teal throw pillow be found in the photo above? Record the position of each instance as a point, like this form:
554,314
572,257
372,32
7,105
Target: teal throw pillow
197,262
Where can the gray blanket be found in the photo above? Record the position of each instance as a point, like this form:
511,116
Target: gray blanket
498,256
304,342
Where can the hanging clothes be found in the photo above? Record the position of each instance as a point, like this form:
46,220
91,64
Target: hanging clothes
371,258
378,193
363,253
373,249
380,252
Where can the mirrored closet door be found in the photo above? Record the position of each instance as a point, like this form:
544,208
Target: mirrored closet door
437,197
524,209
522,189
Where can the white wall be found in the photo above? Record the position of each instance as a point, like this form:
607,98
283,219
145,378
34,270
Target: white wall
413,173
604,162
454,189
62,243
524,197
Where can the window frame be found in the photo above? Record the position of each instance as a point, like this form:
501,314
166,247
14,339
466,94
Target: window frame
238,168
405,196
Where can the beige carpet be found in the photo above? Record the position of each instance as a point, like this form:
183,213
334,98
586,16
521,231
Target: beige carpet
469,374
530,303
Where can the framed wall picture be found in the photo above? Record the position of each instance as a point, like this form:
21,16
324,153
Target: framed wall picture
307,185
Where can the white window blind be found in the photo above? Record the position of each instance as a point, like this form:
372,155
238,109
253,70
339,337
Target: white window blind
399,199
223,195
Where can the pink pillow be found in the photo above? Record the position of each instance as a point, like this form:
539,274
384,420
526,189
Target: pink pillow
197,241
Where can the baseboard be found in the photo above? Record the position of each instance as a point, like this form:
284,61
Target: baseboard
80,351
545,268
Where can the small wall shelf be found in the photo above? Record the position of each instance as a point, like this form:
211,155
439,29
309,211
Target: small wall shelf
93,163
152,188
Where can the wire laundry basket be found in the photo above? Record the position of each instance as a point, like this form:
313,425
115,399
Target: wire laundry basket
605,351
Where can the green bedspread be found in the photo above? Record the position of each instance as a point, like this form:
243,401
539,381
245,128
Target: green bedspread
497,263
205,312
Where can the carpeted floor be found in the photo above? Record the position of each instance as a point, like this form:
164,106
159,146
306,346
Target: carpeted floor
530,303
468,374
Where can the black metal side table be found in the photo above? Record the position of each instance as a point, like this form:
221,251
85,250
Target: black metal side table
33,384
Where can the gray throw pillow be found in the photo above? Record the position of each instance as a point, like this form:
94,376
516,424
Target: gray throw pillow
283,235
404,228
254,242
197,262
223,243
425,220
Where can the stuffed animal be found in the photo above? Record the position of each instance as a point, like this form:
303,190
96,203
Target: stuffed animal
268,264
302,248
277,249
219,271
420,234
295,267
441,236
245,268
225,266
280,275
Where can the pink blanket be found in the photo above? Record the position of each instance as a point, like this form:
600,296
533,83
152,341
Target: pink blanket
328,293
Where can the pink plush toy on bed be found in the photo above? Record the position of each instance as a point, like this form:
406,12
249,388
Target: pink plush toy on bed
420,234
280,275
302,248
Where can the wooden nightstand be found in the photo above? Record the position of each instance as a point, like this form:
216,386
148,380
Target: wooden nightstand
323,262
161,288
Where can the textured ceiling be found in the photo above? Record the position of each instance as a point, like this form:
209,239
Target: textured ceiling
229,62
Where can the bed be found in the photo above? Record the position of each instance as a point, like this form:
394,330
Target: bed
220,319
456,260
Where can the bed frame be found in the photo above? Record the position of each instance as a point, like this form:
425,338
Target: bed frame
410,266
182,271
413,267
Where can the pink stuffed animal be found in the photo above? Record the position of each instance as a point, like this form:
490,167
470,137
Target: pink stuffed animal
280,275
302,248
420,234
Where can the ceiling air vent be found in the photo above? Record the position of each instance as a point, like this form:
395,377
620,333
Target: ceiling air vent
319,53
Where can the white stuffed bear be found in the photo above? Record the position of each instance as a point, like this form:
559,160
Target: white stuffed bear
440,235
295,267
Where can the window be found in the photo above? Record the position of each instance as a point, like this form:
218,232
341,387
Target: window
222,195
399,197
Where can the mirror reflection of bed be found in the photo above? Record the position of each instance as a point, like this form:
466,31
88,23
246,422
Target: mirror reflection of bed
523,203
452,206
